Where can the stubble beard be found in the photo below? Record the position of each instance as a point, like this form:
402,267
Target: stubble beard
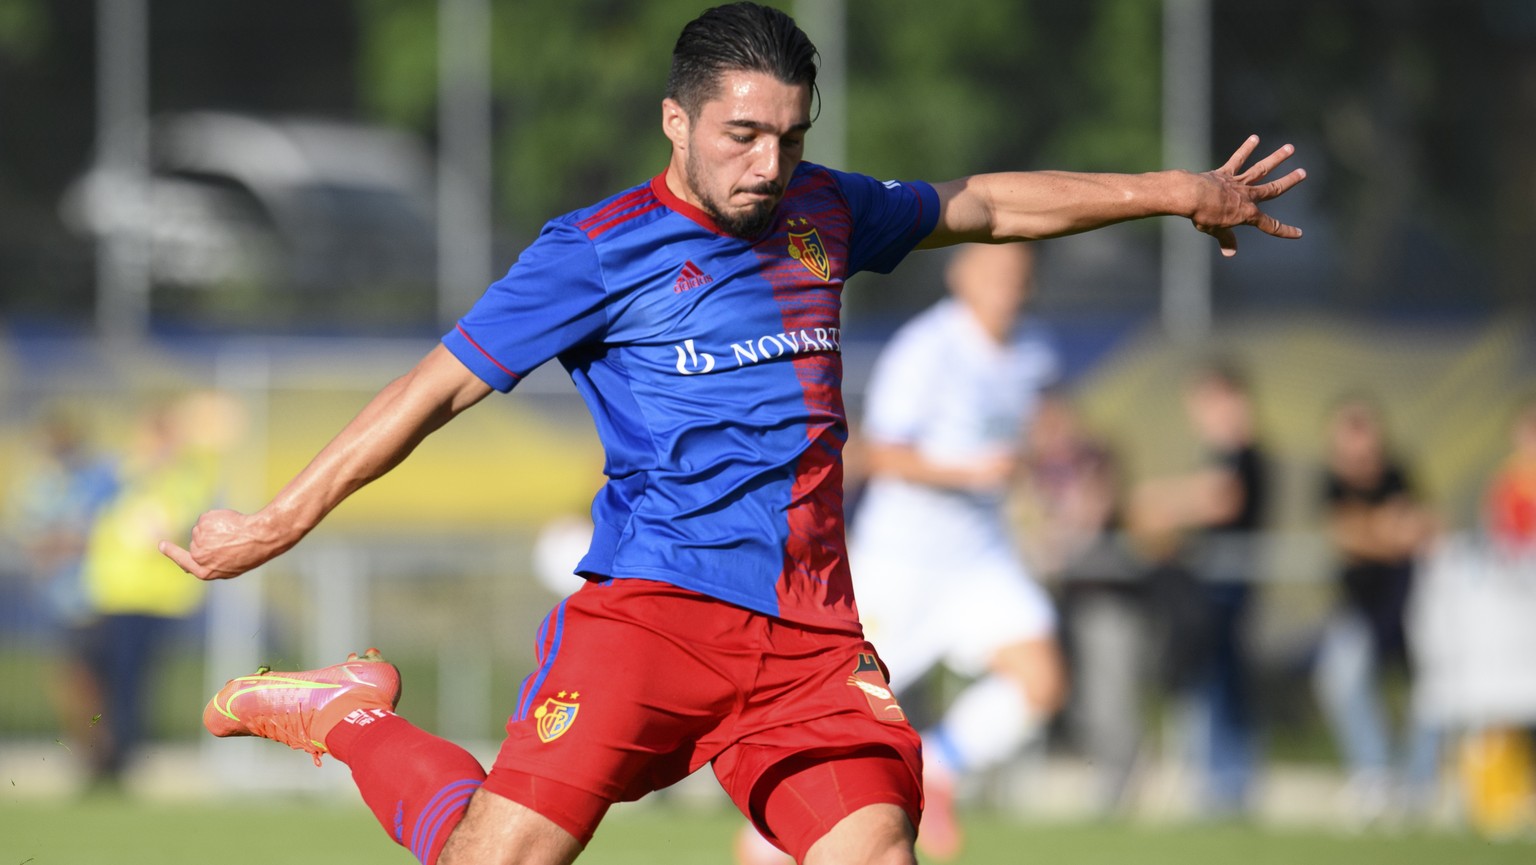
746,223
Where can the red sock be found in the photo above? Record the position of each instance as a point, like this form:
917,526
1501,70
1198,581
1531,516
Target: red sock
416,784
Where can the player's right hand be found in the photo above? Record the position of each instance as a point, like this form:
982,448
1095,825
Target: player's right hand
225,544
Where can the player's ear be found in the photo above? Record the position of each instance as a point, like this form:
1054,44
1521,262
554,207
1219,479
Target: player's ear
674,123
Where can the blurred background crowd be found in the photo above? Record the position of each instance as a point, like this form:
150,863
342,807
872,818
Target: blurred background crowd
1285,503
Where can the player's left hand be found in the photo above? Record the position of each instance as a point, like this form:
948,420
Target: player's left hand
1229,196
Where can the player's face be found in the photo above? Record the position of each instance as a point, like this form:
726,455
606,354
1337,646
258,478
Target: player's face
994,282
737,156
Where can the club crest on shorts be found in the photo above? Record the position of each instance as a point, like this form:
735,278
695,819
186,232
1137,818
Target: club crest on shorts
555,717
868,678
805,247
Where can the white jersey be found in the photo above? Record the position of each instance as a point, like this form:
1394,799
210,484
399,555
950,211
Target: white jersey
945,388
936,572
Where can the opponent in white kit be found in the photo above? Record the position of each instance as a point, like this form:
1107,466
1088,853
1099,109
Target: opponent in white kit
937,571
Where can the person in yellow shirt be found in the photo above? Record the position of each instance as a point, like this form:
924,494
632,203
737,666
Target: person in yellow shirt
136,595
64,480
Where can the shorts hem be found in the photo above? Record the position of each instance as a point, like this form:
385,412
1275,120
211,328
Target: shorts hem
576,810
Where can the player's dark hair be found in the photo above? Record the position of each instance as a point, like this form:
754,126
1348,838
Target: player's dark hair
738,37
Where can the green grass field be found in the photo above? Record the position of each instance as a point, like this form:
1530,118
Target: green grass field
294,831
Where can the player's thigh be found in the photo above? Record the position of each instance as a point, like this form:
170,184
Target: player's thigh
823,738
874,835
851,804
499,831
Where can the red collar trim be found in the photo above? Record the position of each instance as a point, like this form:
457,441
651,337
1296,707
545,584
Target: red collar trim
665,195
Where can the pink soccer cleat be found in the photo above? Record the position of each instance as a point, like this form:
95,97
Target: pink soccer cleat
299,709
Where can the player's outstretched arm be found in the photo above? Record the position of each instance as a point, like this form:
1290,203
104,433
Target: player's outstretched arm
1033,205
228,543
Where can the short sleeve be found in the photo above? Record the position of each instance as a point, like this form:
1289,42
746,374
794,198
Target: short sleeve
552,300
890,218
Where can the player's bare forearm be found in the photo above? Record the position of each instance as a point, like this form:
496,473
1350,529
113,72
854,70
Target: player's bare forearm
226,543
1035,205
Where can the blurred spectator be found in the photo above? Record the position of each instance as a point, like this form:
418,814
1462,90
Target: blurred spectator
1510,506
50,511
1072,535
1496,754
1377,527
1203,527
136,594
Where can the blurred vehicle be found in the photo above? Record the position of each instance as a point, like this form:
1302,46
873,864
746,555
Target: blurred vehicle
274,204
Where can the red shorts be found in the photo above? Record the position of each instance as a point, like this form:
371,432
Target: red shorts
640,683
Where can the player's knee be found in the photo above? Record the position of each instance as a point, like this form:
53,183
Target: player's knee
1040,672
1049,695
892,849
498,831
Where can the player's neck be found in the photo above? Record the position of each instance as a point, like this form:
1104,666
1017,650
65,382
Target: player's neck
996,328
677,184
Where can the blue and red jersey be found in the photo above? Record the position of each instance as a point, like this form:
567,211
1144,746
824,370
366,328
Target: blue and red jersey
712,368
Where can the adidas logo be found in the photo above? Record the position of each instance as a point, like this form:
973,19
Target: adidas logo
691,277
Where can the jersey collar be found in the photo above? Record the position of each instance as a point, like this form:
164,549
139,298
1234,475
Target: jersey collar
666,196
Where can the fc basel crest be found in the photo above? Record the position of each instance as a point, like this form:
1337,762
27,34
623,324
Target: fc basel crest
555,717
805,247
870,679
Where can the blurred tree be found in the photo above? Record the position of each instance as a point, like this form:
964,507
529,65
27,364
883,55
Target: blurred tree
1421,116
937,92
1114,122
1417,117
23,29
933,93
578,86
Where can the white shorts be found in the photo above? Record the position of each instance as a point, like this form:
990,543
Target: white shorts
959,612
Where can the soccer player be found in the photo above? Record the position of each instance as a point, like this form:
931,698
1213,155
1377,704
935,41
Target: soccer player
935,565
697,314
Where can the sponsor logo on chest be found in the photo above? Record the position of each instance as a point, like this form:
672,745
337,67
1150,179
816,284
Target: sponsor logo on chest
754,350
